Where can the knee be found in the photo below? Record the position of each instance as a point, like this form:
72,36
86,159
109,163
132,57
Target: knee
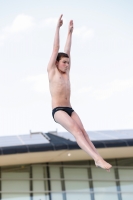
85,133
77,133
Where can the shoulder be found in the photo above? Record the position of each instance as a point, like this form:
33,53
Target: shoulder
51,70
52,61
51,67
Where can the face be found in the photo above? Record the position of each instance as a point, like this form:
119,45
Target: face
63,64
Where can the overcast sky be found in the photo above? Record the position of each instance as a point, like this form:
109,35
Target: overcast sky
101,71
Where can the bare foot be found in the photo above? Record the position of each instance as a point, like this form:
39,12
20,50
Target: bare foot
103,164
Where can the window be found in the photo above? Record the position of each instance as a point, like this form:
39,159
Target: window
67,181
104,184
15,184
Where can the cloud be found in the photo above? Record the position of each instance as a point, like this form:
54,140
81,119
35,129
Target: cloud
2,38
131,115
85,90
20,24
113,87
39,83
23,23
50,22
108,90
84,32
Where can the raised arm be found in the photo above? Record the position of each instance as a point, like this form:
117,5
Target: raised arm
56,45
67,48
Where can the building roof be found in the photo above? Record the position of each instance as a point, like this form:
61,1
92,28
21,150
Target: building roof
52,141
102,135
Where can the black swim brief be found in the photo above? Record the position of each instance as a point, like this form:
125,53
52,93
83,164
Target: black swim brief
68,110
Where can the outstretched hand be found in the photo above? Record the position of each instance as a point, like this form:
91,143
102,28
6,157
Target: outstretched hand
60,21
70,28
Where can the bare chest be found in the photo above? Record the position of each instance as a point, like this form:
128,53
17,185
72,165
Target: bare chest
60,80
60,89
63,80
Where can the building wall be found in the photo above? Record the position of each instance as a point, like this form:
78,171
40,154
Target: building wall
68,181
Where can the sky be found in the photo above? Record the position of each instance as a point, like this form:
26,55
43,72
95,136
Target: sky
101,68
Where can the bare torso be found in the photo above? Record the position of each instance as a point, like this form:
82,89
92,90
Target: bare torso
59,84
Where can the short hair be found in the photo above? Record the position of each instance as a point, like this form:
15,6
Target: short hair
61,55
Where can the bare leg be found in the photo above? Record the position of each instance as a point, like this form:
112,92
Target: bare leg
99,162
71,126
76,118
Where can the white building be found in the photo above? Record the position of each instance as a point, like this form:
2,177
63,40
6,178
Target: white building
51,166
